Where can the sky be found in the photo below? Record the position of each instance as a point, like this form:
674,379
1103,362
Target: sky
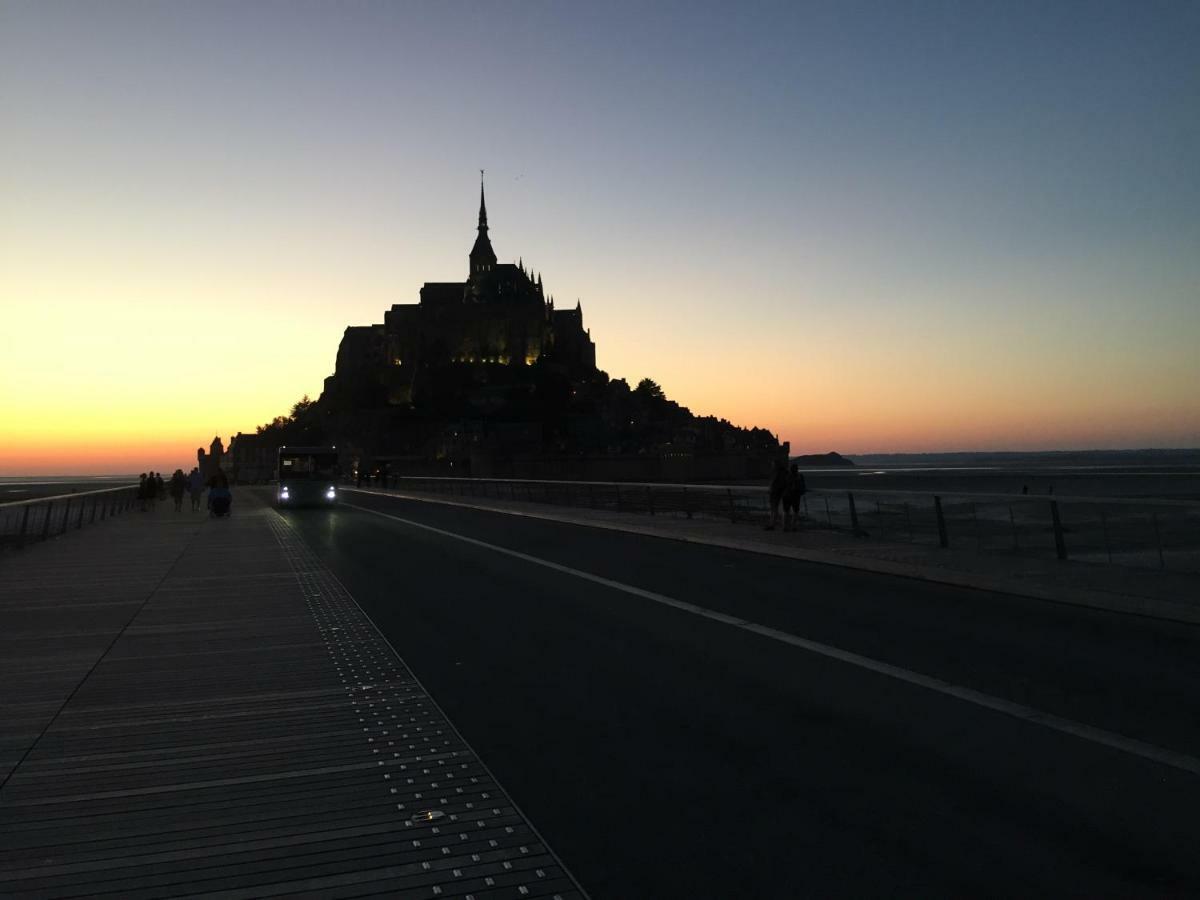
868,227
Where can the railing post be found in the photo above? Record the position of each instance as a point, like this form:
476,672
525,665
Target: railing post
66,516
828,514
687,507
1060,544
732,507
853,513
943,540
46,524
24,523
79,520
95,503
1162,564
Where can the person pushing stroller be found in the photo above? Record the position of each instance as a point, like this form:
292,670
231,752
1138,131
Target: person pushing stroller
220,498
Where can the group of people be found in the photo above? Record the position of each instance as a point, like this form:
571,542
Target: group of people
787,487
152,488
150,491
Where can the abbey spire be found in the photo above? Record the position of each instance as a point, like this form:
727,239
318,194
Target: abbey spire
483,258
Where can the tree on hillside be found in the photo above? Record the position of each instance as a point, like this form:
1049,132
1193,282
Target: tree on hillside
302,426
301,406
649,389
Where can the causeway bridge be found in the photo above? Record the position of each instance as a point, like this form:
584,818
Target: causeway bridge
423,692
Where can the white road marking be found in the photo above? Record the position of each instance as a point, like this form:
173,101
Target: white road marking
1161,755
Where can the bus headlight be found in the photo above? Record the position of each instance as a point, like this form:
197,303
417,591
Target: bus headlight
284,495
331,494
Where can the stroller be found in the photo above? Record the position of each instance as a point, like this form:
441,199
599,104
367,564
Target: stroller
220,499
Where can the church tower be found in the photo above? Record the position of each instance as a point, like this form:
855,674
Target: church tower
483,258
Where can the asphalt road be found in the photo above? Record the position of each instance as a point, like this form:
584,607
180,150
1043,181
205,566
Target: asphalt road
664,753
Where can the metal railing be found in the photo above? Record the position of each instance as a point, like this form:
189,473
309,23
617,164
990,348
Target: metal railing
28,521
1130,532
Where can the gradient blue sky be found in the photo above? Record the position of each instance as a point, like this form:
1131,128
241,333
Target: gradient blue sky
865,226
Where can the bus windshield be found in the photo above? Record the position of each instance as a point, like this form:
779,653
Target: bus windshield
303,465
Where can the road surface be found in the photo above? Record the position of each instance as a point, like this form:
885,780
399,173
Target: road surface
689,721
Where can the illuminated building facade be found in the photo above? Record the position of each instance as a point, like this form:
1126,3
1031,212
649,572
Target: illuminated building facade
498,320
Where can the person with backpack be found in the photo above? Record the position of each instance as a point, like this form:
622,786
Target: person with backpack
176,487
195,485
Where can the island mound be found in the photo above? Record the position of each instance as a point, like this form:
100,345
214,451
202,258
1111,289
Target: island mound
822,459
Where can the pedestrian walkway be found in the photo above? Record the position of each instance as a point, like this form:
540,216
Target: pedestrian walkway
197,706
1162,594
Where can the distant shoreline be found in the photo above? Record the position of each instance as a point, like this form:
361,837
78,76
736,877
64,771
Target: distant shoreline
1035,459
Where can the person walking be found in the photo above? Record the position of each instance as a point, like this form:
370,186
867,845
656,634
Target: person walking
151,492
142,496
792,492
160,488
177,488
775,494
195,485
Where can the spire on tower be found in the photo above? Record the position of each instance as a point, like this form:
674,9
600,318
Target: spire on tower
483,258
482,205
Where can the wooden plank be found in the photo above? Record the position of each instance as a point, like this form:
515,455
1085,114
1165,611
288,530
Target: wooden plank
199,707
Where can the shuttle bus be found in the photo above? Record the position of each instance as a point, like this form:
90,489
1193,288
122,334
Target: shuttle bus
307,476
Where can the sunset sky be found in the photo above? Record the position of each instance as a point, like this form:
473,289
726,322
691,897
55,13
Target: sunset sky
867,227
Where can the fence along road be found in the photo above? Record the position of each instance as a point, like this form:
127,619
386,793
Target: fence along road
27,521
1151,533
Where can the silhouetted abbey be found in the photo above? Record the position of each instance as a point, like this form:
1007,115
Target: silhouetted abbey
499,316
487,377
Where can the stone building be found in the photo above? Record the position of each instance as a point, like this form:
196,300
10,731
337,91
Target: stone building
498,321
209,463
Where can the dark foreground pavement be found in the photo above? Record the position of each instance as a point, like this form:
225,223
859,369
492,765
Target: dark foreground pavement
195,707
666,754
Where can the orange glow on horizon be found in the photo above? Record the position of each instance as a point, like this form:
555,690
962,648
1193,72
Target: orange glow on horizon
141,367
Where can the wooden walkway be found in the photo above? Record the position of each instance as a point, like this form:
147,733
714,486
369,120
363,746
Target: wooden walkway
197,707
